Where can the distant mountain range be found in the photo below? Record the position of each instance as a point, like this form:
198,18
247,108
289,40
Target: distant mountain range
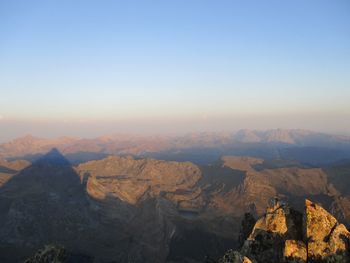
202,148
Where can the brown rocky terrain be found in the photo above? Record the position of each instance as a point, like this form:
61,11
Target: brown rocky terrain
135,180
125,209
285,235
260,185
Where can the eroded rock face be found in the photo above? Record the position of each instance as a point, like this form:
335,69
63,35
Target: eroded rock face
117,185
282,236
327,239
266,241
280,219
131,180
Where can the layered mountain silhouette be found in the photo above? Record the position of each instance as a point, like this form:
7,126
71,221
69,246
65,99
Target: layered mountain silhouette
201,148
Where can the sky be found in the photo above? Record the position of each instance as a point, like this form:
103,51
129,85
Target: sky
87,68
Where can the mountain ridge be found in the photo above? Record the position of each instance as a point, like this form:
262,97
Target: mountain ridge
196,147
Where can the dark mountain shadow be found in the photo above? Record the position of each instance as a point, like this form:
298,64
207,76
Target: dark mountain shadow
53,157
74,158
6,170
196,155
48,203
305,155
54,253
338,175
44,203
211,155
28,157
221,177
82,157
192,244
316,156
279,163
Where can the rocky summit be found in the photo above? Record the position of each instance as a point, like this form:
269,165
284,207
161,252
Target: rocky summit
285,235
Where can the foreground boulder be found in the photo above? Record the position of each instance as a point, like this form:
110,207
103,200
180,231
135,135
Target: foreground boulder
285,235
267,239
328,241
49,254
57,254
234,257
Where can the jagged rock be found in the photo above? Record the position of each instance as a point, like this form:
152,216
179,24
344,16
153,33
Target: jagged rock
281,236
275,220
49,254
57,254
295,251
234,257
247,226
266,242
328,241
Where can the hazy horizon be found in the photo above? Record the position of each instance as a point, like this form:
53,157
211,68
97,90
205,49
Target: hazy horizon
89,68
90,131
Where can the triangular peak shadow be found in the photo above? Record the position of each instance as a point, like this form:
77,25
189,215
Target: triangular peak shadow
53,157
43,203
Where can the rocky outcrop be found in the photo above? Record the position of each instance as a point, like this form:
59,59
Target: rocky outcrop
327,240
49,254
57,254
267,239
133,181
234,257
285,235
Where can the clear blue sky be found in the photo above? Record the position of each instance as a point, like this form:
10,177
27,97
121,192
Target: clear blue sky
192,64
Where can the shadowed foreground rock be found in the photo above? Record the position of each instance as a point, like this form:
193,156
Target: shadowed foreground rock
57,254
234,257
285,235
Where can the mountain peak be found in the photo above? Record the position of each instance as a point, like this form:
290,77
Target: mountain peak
53,157
26,138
